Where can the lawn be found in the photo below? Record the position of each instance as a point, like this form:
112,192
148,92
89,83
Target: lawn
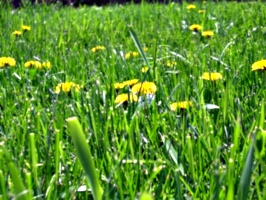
147,101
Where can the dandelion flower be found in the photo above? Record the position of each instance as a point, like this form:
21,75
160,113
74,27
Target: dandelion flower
37,65
7,61
131,55
33,64
124,98
29,64
207,34
119,85
67,87
180,105
127,56
25,28
170,63
144,88
144,69
125,83
191,6
259,65
17,33
211,76
131,82
46,65
195,27
135,54
145,49
97,49
201,11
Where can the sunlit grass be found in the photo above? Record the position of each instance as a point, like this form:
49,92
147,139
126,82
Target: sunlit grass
212,148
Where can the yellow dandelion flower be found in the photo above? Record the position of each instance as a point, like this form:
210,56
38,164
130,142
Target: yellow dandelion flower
214,76
191,6
17,33
170,63
135,54
195,27
76,87
127,56
201,11
29,64
207,34
144,88
145,49
25,28
130,82
119,85
144,69
259,65
66,87
131,54
124,98
7,61
181,105
46,65
97,48
37,64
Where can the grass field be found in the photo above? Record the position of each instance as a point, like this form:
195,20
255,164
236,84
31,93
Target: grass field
174,134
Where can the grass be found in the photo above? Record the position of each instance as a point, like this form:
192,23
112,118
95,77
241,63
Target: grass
137,151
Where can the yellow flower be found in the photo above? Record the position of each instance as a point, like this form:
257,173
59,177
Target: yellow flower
259,65
46,65
135,54
145,49
211,76
195,27
201,11
131,54
180,105
127,56
191,6
119,85
170,63
125,83
67,87
124,97
144,69
97,48
25,28
37,65
144,88
130,82
33,64
207,34
17,33
7,61
29,64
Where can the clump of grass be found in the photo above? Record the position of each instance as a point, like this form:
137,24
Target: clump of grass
213,148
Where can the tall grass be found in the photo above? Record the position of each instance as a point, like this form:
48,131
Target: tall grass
145,151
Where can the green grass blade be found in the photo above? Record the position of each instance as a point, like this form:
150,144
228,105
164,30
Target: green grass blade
84,155
20,190
244,184
138,45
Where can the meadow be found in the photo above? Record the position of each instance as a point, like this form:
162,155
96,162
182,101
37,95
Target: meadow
145,101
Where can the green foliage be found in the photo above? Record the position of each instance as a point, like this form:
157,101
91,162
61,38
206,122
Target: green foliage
139,149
